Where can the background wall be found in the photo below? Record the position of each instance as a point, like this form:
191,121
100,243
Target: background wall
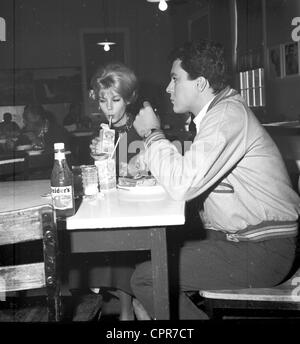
46,34
282,95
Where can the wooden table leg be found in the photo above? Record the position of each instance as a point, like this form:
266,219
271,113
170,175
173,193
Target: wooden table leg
160,274
129,240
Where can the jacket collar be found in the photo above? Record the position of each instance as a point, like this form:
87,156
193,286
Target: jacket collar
227,92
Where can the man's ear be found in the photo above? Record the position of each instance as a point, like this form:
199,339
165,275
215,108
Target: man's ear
201,83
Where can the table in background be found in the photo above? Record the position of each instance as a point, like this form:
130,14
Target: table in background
13,165
23,194
23,165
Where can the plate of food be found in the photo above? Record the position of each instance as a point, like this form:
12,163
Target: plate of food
138,180
131,187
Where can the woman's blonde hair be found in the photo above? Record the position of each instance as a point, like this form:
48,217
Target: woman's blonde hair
118,77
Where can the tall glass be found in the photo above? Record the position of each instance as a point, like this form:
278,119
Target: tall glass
89,180
106,173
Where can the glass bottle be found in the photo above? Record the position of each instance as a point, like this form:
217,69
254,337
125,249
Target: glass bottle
62,187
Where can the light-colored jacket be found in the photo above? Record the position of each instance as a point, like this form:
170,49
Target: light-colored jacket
236,166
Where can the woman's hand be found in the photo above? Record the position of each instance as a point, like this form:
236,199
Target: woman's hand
95,146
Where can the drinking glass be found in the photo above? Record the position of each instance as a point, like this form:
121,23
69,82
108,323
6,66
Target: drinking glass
106,173
89,180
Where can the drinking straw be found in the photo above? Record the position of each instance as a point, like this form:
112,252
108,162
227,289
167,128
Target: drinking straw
110,118
113,152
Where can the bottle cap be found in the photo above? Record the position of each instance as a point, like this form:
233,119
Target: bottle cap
59,145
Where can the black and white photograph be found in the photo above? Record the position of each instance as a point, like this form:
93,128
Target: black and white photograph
149,165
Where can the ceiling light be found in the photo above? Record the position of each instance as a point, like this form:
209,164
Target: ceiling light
106,45
162,4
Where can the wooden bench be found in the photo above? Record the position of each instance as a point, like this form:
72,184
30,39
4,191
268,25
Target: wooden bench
285,296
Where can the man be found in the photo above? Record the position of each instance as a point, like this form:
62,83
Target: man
40,129
8,126
250,210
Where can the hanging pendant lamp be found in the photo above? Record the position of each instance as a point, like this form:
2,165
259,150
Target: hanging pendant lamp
162,4
106,44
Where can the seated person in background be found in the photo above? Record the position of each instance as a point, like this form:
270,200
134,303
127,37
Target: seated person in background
9,128
50,117
72,119
114,88
39,131
75,120
249,209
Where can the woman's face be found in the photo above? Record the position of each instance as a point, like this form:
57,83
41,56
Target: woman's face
112,104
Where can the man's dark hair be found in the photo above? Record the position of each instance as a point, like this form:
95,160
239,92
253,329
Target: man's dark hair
7,117
205,59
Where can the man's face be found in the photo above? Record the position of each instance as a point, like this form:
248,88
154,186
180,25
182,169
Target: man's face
183,92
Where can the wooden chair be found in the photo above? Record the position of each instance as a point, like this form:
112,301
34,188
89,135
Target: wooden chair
23,226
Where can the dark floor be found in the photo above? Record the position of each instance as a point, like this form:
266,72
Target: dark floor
81,307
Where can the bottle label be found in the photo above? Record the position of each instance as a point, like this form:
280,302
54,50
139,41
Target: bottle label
62,197
59,155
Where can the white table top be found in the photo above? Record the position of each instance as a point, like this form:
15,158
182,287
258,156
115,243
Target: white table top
22,194
82,133
109,211
10,161
114,211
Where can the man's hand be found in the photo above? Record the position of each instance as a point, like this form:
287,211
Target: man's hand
146,120
137,165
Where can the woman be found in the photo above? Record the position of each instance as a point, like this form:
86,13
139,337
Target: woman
114,87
